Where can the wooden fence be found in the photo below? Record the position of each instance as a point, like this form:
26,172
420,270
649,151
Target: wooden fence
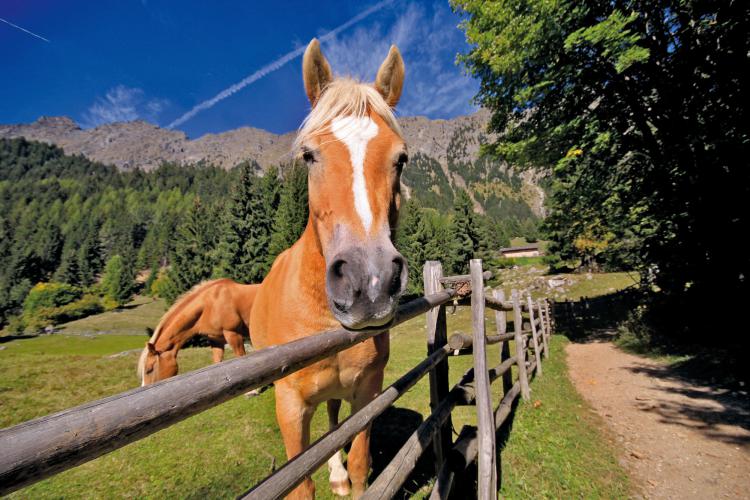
37,449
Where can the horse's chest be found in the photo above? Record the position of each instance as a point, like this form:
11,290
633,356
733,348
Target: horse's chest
362,359
340,376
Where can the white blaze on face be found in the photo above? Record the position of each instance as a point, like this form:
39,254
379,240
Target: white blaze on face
355,133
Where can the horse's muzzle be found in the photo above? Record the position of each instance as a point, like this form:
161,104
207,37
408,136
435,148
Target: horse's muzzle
364,286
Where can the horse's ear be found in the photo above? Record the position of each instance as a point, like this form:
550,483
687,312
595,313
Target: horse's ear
151,348
390,79
316,72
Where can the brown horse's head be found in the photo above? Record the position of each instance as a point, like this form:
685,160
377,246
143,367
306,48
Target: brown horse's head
353,147
156,365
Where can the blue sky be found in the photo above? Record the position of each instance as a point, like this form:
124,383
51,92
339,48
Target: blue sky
110,60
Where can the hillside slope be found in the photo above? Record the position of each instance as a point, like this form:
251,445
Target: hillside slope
445,156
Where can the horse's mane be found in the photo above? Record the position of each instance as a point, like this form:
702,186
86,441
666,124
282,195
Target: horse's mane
167,315
344,97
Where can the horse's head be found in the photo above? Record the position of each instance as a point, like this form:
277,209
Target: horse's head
156,365
353,147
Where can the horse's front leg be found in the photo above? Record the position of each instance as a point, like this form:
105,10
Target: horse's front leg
217,350
358,462
338,477
294,415
235,341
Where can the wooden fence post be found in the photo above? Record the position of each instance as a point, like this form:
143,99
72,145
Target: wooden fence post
543,327
534,340
487,480
523,377
437,337
548,313
501,324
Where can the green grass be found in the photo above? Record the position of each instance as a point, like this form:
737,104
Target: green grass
141,313
599,284
557,447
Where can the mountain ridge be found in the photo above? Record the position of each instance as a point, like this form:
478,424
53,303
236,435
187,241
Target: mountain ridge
453,144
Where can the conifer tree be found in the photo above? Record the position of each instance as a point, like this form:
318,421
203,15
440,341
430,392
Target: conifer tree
68,271
293,212
248,225
194,255
411,237
463,231
118,282
90,256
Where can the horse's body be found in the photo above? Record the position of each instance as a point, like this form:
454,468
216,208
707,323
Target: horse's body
344,269
218,309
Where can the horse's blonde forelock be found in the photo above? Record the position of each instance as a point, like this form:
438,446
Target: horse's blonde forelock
344,97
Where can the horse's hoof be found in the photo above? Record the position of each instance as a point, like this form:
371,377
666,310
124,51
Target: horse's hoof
253,393
341,488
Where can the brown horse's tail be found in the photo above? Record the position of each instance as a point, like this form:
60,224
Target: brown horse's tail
167,315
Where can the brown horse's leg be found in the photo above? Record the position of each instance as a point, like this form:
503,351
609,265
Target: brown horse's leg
358,461
338,477
236,342
217,350
294,416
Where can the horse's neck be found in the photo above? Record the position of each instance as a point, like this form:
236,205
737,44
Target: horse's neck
306,271
178,329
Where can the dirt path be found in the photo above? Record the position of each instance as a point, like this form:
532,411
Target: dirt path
679,440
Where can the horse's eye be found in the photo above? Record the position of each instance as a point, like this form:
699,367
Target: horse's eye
403,158
308,156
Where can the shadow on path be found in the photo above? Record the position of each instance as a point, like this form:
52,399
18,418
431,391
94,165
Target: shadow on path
689,403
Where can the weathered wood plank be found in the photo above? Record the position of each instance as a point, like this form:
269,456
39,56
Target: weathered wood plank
464,451
388,482
39,448
497,304
462,278
520,342
291,474
534,340
543,327
443,483
460,340
501,325
487,479
437,337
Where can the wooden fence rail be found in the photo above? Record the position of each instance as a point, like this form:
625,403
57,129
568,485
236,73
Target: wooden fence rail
39,448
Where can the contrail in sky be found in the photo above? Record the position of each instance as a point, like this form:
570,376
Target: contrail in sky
22,29
272,66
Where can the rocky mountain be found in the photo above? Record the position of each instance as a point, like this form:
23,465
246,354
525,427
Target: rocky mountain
444,156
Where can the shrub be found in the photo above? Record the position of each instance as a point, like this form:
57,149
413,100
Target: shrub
17,325
162,285
48,296
45,316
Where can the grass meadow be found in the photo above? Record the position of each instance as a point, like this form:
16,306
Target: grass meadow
557,447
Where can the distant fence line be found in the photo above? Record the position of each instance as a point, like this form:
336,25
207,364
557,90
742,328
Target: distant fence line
45,446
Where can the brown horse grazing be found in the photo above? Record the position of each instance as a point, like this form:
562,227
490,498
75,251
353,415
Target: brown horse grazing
219,309
344,269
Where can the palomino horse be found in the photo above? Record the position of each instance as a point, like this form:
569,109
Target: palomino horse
344,269
219,309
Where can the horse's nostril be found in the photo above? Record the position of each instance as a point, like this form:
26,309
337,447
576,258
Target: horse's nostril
338,268
340,306
395,285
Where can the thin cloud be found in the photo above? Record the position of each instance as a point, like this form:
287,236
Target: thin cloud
273,66
122,104
434,86
23,29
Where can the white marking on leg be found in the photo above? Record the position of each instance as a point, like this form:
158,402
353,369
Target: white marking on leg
355,133
339,478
